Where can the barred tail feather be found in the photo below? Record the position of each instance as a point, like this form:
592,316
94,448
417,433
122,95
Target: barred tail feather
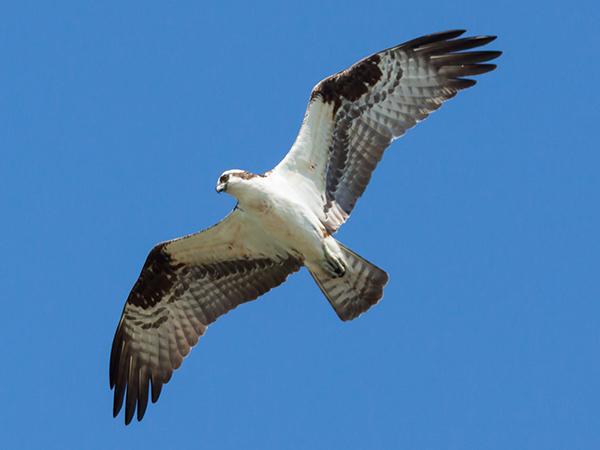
357,290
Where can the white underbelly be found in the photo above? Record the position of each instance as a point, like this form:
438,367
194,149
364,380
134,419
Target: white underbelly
286,216
290,225
296,229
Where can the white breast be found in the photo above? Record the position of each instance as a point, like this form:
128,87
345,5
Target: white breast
279,210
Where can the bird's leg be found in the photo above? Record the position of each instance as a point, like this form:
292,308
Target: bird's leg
333,264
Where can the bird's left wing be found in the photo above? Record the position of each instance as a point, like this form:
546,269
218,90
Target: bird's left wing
185,285
355,114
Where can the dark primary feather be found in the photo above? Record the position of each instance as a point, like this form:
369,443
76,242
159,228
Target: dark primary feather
169,308
377,99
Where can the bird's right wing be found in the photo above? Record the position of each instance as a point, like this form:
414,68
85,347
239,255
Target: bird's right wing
185,285
355,114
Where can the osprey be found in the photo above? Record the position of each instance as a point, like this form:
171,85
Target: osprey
286,218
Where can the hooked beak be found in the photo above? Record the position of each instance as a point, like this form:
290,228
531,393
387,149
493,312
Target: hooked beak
220,187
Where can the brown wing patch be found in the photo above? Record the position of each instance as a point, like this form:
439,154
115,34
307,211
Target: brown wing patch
349,84
156,278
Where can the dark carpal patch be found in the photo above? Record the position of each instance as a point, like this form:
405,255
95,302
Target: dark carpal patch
349,84
156,279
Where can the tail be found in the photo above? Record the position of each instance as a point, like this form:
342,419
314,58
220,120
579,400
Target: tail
357,290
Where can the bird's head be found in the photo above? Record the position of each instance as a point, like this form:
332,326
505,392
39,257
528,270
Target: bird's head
231,180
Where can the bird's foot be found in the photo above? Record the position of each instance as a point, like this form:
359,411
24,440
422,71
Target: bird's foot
334,265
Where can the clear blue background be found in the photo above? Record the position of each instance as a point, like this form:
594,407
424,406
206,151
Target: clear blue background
116,120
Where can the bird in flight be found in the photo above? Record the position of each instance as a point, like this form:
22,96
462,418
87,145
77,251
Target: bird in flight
286,218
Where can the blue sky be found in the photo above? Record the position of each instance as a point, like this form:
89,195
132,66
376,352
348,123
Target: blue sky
115,122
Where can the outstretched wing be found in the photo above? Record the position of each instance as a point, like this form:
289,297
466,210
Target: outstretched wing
355,114
185,285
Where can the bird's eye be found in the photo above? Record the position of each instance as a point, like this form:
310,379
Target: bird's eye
223,178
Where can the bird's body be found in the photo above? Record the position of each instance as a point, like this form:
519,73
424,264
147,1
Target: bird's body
286,218
270,202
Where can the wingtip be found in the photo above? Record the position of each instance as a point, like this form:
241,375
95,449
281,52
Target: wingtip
432,38
482,40
485,37
449,34
463,83
140,415
455,31
118,400
156,388
494,54
129,412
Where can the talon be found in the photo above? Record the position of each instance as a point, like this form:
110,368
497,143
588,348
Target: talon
335,265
